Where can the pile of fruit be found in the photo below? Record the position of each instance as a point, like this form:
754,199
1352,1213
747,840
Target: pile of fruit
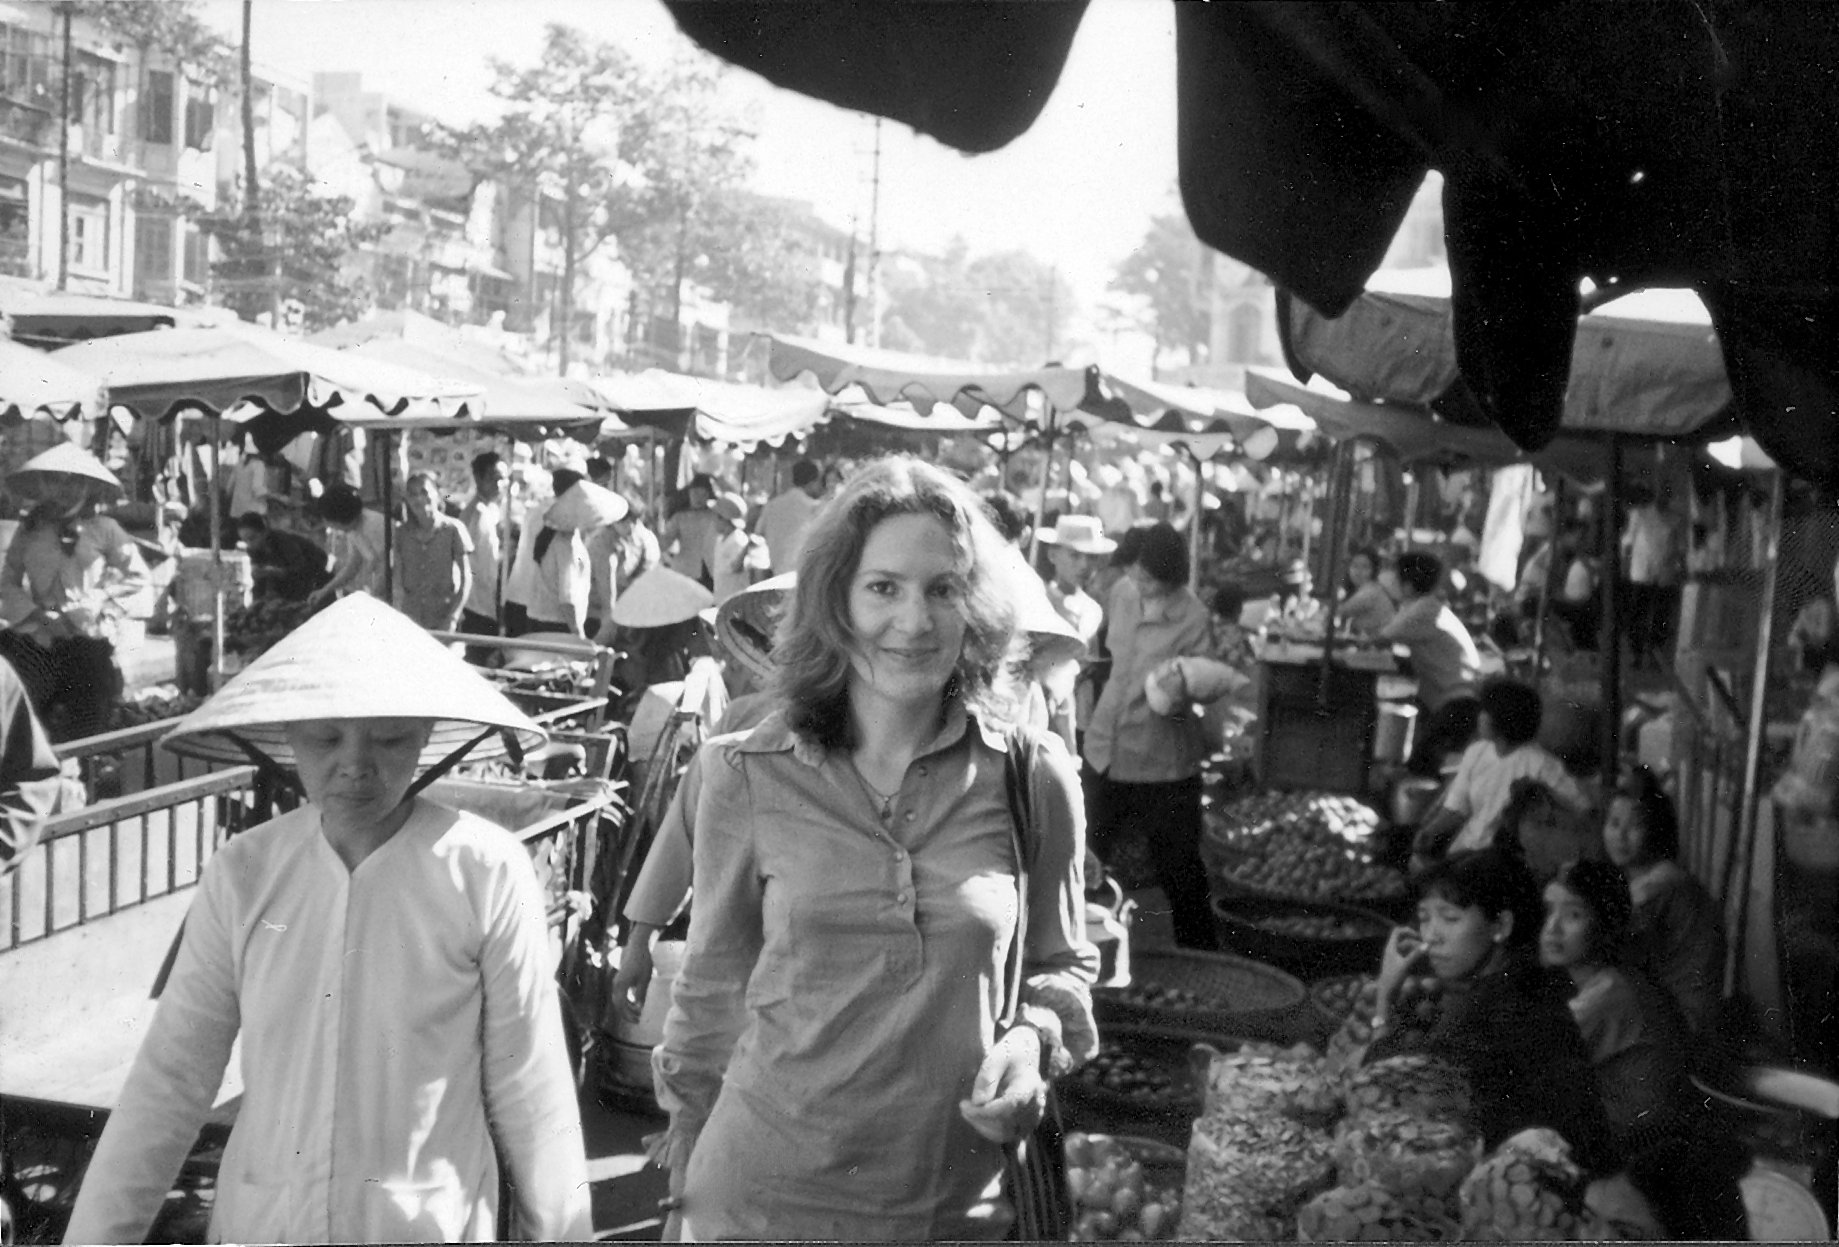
1115,1199
1320,926
1415,1007
1309,846
1528,1190
1342,994
1291,1146
252,630
1156,996
1152,1082
153,704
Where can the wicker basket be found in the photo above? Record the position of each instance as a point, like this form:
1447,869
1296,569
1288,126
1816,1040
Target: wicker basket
1228,884
1306,956
1092,1107
1240,996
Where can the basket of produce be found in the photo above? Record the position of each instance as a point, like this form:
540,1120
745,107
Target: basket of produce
1301,846
1215,992
1125,1188
1143,1081
1336,997
1310,939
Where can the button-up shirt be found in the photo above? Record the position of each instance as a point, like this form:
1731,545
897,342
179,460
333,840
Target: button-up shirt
482,521
1126,740
1443,655
844,976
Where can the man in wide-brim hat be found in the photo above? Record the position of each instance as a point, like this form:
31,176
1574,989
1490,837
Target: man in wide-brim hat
1077,547
385,961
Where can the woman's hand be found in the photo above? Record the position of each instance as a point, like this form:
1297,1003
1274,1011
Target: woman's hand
633,979
1404,949
1009,1095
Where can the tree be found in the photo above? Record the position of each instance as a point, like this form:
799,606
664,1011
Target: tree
1171,274
569,133
1005,310
173,27
684,221
763,266
293,247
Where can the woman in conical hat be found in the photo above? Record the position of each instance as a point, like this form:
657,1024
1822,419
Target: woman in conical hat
384,960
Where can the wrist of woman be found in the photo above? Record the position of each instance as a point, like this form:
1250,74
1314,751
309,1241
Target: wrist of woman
1042,1046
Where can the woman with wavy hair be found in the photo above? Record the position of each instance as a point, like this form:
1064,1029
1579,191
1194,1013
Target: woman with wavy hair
833,1062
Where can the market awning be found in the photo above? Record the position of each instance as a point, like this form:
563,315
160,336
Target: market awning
574,408
1644,365
904,417
925,381
714,411
246,368
32,382
1414,435
50,320
1644,145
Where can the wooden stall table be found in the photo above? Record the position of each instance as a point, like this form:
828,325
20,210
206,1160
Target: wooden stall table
1306,741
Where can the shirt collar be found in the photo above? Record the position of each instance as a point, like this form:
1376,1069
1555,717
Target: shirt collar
775,735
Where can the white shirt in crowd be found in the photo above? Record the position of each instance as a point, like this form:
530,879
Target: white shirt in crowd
783,522
1484,783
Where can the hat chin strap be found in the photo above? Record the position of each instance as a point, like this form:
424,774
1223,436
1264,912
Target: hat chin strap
453,759
266,763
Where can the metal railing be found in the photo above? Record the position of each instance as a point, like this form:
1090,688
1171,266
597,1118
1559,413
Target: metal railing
129,760
122,852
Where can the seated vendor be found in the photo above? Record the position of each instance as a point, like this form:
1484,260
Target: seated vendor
1365,606
1631,1027
285,565
1443,659
1507,751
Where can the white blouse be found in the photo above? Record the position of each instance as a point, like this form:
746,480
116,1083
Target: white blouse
401,1036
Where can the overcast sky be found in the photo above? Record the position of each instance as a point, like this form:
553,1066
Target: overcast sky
1077,190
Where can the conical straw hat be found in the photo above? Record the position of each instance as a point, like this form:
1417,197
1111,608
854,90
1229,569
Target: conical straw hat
585,505
658,598
744,624
357,659
61,468
1049,634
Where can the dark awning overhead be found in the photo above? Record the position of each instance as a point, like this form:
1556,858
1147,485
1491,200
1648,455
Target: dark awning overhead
1675,144
1647,365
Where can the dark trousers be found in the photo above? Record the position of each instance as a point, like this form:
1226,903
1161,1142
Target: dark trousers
1446,730
1169,816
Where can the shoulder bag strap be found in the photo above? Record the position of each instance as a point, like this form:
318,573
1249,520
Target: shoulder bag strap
1018,774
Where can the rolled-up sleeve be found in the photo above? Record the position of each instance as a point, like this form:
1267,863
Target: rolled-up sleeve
1059,964
529,1092
707,1012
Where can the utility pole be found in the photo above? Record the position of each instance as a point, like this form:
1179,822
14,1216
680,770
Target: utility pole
63,163
1053,280
251,193
874,246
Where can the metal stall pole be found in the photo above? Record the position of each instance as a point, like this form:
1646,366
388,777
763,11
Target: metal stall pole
389,518
1609,539
1333,535
507,547
1554,581
1194,522
1749,800
217,625
1048,434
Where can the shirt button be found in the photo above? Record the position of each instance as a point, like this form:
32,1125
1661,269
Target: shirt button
900,855
902,898
909,816
924,771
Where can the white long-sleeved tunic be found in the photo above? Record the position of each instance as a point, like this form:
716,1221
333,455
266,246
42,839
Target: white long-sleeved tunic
398,1020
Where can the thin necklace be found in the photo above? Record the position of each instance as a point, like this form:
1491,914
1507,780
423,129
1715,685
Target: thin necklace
877,797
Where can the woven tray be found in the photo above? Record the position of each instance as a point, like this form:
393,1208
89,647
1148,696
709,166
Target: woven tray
1246,997
1307,957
